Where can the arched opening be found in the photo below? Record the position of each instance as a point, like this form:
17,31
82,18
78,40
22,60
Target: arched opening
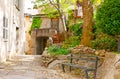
40,44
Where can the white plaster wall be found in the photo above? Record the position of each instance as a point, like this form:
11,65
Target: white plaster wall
21,39
15,18
3,44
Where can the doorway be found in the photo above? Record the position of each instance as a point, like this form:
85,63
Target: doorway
40,44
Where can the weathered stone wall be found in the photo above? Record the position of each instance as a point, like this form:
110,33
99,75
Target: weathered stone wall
46,22
29,43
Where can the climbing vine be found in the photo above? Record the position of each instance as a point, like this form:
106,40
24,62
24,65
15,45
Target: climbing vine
36,23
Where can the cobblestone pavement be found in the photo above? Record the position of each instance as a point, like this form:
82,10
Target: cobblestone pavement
28,67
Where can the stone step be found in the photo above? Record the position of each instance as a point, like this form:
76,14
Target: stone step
27,60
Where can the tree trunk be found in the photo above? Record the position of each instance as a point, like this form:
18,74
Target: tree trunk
87,25
62,19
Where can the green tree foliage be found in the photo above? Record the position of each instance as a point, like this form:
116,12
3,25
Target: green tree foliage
106,43
54,7
77,28
35,23
108,17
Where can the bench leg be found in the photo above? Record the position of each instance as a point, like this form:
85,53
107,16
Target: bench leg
70,68
86,73
63,68
87,76
94,74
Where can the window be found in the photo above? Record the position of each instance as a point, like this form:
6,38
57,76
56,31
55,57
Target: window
5,28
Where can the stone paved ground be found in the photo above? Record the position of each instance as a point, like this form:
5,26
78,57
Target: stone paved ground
28,67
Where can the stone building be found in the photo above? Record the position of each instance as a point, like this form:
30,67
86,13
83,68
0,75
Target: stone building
37,40
49,28
12,32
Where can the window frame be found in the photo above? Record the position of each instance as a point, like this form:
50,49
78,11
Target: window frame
5,28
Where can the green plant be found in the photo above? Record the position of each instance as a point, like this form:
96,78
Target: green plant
71,42
77,29
106,43
35,23
57,50
108,17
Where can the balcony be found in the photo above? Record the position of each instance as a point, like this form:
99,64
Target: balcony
45,32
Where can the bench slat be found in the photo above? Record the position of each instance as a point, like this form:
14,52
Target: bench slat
87,59
78,66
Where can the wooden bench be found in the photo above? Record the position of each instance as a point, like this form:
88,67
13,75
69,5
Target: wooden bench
85,62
